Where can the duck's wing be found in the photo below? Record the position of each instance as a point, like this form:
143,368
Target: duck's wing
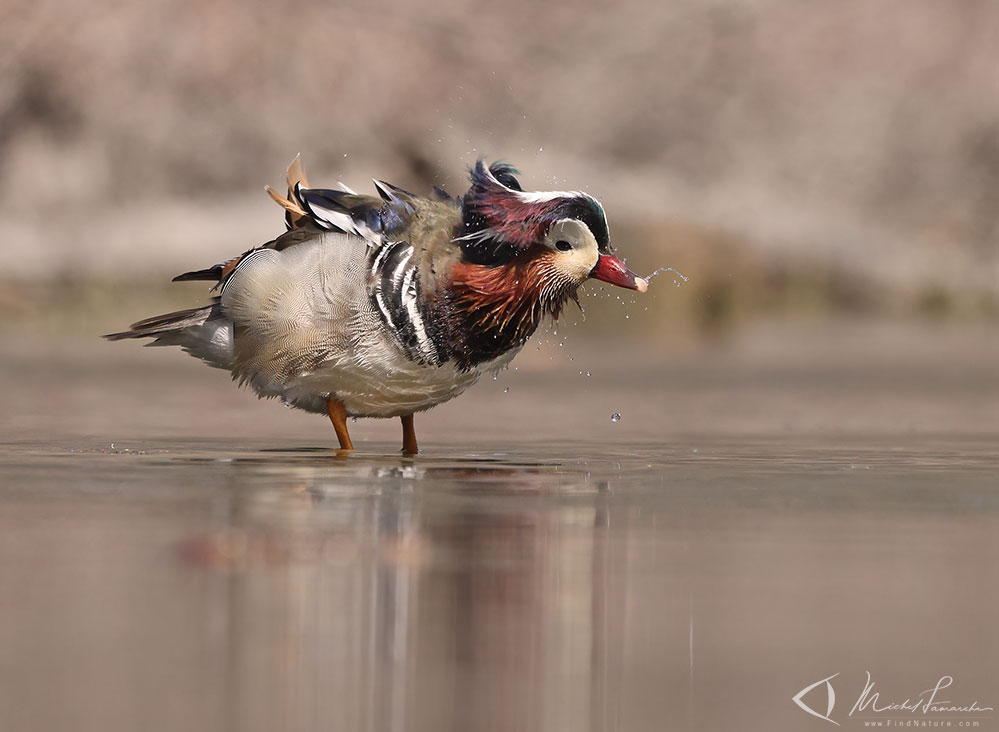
394,215
391,216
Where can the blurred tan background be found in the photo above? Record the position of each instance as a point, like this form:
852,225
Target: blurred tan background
802,478
791,159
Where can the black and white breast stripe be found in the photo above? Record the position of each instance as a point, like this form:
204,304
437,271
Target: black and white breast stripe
395,290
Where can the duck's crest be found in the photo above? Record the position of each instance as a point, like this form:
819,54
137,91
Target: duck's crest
498,213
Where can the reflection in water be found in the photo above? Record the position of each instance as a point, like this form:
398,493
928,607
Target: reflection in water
386,612
215,588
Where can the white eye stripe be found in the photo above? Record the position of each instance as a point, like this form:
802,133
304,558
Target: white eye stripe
545,196
571,231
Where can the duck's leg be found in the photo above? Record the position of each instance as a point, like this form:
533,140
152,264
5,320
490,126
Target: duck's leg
409,445
338,416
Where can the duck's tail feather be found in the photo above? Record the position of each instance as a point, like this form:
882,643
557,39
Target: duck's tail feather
204,333
162,324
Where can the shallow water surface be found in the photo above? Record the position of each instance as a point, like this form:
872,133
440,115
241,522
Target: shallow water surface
700,584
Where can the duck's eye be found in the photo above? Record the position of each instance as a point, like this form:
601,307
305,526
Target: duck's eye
562,245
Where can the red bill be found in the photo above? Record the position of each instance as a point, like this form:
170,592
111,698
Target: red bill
611,269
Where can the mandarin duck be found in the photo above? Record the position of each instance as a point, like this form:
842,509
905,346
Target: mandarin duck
386,306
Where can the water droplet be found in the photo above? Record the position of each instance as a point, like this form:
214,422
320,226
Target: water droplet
615,417
353,419
506,389
668,269
587,374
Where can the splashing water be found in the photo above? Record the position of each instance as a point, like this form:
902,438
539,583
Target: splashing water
676,282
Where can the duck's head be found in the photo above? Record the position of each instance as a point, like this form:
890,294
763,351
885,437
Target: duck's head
566,231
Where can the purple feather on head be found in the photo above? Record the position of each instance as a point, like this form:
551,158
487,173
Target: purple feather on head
496,209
